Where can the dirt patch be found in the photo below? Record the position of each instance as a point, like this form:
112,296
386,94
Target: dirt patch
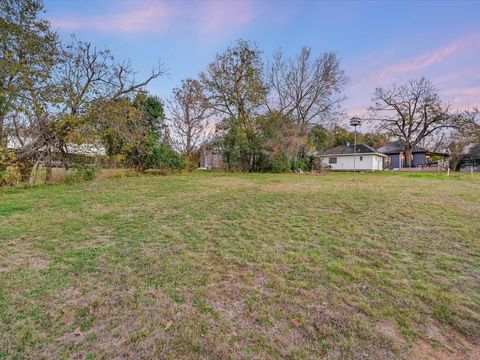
391,333
425,351
101,237
15,256
444,343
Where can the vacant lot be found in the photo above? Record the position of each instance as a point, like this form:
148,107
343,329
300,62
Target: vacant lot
242,266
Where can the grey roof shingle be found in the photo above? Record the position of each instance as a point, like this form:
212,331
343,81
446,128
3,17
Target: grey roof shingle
397,147
345,150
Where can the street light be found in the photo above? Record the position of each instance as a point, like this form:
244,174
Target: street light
355,121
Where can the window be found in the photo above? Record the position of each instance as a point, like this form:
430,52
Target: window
332,160
361,158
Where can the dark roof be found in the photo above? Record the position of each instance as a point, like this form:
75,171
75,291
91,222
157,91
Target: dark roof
348,149
398,147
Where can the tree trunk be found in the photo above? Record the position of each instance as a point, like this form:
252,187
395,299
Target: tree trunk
34,173
3,142
48,166
408,157
453,162
188,148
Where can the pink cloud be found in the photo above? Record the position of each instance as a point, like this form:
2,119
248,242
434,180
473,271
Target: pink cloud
454,49
465,97
379,74
149,17
452,68
161,17
223,14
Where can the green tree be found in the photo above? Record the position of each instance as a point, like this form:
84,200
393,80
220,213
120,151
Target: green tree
135,129
154,113
235,88
373,139
341,136
28,48
318,138
231,138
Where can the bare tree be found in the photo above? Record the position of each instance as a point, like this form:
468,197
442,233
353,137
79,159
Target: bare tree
411,113
189,110
471,124
439,140
456,149
305,88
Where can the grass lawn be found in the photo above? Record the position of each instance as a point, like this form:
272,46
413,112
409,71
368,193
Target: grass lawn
242,266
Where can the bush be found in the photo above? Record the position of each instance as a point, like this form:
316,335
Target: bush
189,165
299,165
279,165
71,178
6,159
153,155
10,176
83,171
89,173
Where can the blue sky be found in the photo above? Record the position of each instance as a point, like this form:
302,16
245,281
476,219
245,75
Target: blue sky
378,42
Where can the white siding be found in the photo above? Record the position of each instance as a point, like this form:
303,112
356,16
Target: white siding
345,162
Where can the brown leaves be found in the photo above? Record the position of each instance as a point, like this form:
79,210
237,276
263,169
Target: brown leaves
296,322
168,325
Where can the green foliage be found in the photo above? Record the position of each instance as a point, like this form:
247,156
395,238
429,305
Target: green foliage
8,173
373,139
341,136
151,153
235,86
82,171
301,164
27,49
318,138
135,130
153,112
88,173
6,158
235,145
10,176
71,178
278,164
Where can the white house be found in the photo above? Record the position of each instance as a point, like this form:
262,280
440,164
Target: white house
341,158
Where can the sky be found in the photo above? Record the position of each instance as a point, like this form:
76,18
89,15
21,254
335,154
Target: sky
380,43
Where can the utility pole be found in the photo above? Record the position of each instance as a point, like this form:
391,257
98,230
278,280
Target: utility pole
355,121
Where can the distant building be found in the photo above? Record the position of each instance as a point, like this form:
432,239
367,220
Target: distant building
341,158
211,157
73,152
86,149
420,156
470,162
